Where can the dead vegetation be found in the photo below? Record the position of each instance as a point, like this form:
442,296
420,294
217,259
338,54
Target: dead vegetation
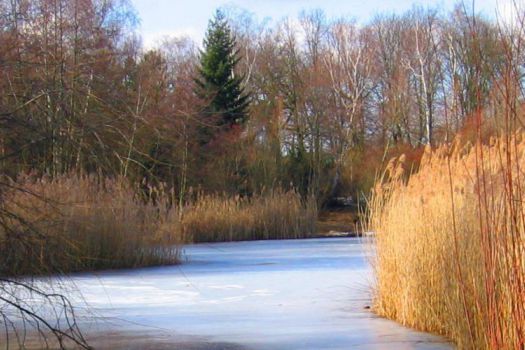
451,243
274,214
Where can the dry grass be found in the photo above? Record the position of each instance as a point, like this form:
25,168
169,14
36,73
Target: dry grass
79,223
450,246
272,215
75,223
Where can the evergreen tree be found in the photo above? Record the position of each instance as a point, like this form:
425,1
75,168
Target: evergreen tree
217,84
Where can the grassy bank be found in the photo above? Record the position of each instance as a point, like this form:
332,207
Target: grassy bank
75,223
451,243
271,215
79,223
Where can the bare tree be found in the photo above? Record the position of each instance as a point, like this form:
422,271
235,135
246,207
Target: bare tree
349,64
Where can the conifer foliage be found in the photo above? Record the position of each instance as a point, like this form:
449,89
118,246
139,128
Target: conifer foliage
218,84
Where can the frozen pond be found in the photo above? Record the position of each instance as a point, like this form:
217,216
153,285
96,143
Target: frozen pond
294,294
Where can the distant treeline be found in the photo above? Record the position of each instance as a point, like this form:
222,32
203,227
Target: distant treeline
78,92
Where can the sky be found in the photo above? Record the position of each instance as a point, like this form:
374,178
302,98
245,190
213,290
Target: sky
159,18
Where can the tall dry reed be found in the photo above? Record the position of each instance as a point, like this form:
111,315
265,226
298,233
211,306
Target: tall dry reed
78,223
74,223
272,215
450,243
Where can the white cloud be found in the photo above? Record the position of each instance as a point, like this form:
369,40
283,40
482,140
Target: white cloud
152,39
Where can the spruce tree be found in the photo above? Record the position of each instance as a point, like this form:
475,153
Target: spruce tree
218,84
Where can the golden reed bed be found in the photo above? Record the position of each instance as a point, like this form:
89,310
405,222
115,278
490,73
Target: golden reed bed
84,222
451,243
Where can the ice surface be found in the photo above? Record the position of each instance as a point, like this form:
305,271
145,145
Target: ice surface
292,294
